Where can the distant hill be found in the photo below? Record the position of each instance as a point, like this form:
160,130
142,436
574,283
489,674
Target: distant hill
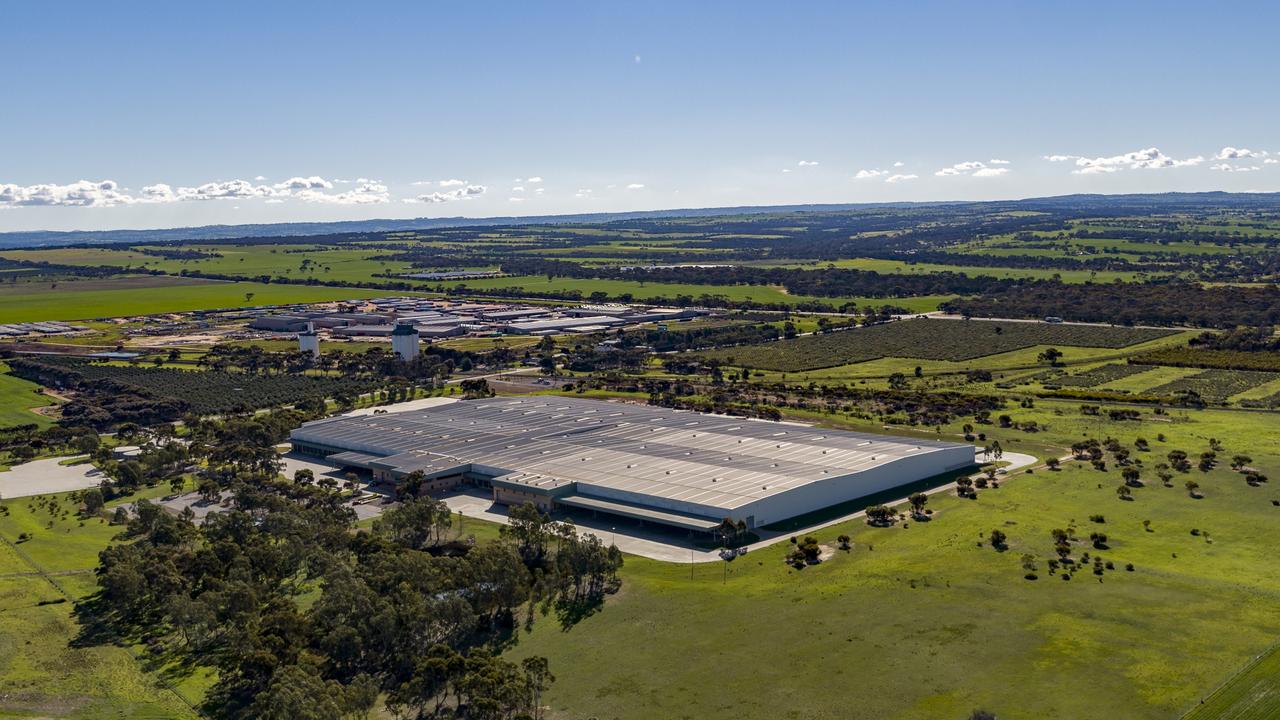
1104,203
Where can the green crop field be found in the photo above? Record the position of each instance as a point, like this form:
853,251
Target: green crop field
950,340
82,300
1254,695
902,267
324,264
670,291
17,398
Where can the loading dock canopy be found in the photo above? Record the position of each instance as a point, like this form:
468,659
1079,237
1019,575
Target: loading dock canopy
640,512
353,459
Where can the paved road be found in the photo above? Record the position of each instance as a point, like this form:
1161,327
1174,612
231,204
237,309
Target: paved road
41,477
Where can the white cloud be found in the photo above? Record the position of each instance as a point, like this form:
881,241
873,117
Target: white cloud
452,182
899,164
82,193
636,186
807,163
107,193
518,188
515,199
219,190
1147,159
973,168
868,174
583,193
786,170
995,161
1231,153
305,183
464,193
533,180
1270,161
369,192
900,178
539,191
260,178
1228,167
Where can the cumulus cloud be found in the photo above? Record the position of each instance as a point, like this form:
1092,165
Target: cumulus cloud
518,188
1228,167
807,163
452,182
868,174
1147,159
108,193
82,193
899,164
900,178
974,168
996,161
1231,153
515,199
368,192
533,180
1270,161
463,193
636,186
305,183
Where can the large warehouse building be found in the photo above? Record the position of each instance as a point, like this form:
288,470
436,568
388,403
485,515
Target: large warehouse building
682,469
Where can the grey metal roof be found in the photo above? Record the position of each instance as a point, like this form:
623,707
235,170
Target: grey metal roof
556,441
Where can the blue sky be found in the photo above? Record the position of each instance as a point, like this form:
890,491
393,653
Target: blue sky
145,114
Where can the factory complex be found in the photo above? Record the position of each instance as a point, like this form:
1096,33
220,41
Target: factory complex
679,469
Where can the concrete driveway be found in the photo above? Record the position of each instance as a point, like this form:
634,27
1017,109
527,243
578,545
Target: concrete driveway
41,477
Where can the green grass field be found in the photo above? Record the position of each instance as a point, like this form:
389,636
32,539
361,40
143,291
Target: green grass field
43,672
1253,695
323,263
82,300
756,293
900,267
921,622
17,398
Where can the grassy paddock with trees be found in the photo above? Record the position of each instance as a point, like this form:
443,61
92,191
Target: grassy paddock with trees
947,622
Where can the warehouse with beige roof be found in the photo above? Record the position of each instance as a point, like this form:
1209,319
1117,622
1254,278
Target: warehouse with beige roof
676,468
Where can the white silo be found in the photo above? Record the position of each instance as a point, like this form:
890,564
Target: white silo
404,341
309,341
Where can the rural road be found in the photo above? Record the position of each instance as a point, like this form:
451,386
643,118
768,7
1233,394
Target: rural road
40,477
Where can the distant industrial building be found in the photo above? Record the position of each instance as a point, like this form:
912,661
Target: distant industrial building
680,469
454,275
535,327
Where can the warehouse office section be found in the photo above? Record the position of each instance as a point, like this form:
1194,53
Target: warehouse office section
681,469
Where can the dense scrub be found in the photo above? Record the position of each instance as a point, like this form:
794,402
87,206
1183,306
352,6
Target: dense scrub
1129,303
109,394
